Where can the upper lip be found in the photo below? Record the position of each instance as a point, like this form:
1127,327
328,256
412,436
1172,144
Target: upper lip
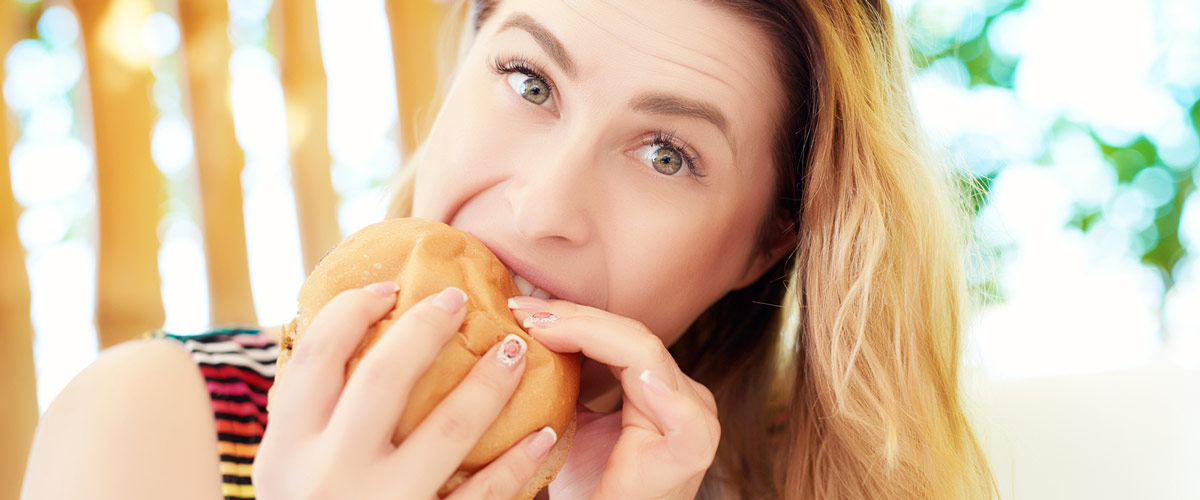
531,273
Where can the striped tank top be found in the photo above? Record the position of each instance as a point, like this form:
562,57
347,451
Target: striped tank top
238,366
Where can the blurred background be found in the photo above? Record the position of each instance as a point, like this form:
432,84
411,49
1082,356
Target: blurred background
1078,118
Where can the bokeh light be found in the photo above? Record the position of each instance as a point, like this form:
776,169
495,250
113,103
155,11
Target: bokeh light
1082,131
160,34
1084,134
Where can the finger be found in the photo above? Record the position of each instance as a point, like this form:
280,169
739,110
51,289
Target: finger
316,370
625,345
508,474
672,404
691,432
376,393
456,424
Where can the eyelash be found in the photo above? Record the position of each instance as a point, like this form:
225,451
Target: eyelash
660,137
519,65
691,159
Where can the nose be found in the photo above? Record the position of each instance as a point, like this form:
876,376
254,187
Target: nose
551,193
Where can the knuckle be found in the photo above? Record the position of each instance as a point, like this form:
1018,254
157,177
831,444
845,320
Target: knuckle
706,396
491,491
321,484
491,377
504,483
361,306
504,477
567,308
454,427
654,346
374,373
351,298
637,326
427,317
346,307
714,433
712,439
311,351
652,340
706,429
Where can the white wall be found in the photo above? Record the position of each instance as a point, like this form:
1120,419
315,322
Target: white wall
1128,434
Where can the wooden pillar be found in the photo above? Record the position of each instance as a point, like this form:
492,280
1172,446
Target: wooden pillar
219,159
130,191
302,75
415,25
18,380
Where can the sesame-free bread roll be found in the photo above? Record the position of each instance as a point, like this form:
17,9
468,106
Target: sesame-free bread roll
424,257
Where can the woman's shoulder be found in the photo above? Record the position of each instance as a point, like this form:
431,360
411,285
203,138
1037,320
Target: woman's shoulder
135,423
238,367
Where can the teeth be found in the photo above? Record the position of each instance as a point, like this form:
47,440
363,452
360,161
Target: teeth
528,289
523,285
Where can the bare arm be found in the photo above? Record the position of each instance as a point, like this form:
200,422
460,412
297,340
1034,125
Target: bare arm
137,424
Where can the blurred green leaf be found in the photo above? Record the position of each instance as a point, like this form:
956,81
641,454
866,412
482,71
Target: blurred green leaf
1084,220
1168,250
1196,116
1131,159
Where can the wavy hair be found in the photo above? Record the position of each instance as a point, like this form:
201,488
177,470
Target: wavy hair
841,373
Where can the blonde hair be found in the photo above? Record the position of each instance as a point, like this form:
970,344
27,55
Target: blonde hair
871,304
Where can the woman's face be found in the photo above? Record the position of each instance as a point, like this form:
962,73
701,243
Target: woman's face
614,153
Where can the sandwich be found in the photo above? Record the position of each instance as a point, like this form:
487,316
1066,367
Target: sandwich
424,257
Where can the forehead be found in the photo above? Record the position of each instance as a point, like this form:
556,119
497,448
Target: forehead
687,47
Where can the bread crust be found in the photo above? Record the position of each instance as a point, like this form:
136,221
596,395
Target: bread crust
542,478
423,257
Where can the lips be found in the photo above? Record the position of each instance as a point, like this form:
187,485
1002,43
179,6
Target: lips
530,280
528,288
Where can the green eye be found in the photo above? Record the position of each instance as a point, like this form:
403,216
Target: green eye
532,88
666,160
669,156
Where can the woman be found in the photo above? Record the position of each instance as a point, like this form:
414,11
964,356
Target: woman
675,175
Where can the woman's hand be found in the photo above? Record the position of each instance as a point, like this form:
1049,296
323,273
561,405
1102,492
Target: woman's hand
668,422
331,438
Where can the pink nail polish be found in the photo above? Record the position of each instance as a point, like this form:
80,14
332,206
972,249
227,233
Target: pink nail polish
450,300
528,303
511,350
541,443
541,320
383,288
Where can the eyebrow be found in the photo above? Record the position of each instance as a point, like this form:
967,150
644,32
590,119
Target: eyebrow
541,35
666,104
653,103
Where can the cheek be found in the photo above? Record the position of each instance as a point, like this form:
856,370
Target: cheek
464,152
667,275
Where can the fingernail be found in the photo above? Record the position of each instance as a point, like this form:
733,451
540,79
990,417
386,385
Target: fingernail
655,384
511,350
540,320
450,300
527,302
541,444
383,288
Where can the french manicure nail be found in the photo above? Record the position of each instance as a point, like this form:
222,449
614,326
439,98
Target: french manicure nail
511,350
383,288
541,443
450,300
541,320
527,302
655,384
